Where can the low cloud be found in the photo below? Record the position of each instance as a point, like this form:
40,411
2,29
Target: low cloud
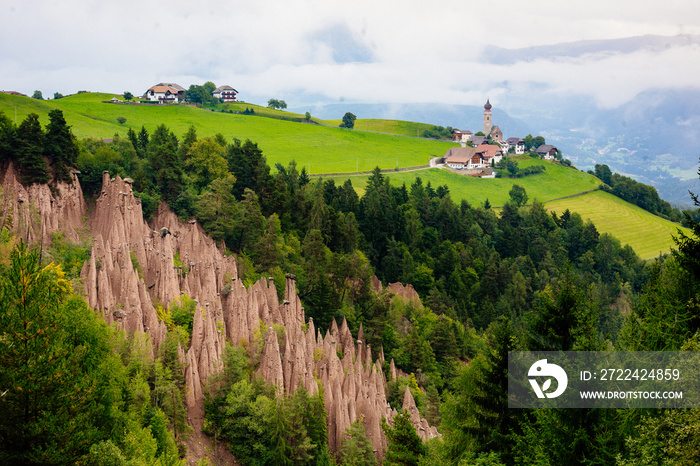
308,51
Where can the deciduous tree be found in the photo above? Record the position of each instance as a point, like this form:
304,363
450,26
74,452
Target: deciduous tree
276,104
348,121
518,195
205,162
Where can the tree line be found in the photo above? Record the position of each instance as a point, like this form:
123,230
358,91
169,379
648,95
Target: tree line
636,193
39,154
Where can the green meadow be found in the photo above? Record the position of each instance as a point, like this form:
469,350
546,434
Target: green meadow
403,128
319,148
648,234
555,182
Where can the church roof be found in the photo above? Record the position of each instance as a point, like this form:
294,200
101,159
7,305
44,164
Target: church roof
488,105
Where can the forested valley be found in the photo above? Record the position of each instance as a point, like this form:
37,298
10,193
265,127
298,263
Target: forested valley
76,391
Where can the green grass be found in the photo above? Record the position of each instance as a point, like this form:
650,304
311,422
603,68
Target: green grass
321,149
646,233
400,127
265,111
555,182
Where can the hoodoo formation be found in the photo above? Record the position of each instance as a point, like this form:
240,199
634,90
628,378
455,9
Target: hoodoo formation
133,266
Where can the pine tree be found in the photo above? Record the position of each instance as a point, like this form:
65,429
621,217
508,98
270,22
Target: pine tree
165,165
565,318
131,135
404,445
142,145
30,151
282,452
60,146
477,418
356,449
7,139
187,141
688,252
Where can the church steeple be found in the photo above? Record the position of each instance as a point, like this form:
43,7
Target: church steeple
487,118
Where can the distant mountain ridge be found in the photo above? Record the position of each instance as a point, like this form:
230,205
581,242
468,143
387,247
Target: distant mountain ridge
504,56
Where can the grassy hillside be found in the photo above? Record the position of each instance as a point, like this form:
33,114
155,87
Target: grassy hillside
648,234
403,128
555,182
321,149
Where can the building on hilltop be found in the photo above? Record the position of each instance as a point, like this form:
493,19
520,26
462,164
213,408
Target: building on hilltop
462,136
14,93
470,158
165,92
547,151
491,134
461,158
518,144
496,134
225,93
490,153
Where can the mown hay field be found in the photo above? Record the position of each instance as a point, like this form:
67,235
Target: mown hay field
648,234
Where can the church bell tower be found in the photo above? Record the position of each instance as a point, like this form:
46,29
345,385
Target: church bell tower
487,118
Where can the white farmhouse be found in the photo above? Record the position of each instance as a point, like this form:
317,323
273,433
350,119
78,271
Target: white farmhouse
225,93
165,93
518,143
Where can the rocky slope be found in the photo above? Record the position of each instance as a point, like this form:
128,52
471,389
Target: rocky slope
135,267
35,212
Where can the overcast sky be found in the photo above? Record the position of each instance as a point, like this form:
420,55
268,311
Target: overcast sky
309,51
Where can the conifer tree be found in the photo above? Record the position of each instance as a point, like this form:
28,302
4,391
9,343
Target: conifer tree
404,445
30,151
142,145
131,135
477,419
60,146
356,449
7,138
688,252
165,165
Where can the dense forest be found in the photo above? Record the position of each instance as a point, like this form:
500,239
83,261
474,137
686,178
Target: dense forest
490,281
